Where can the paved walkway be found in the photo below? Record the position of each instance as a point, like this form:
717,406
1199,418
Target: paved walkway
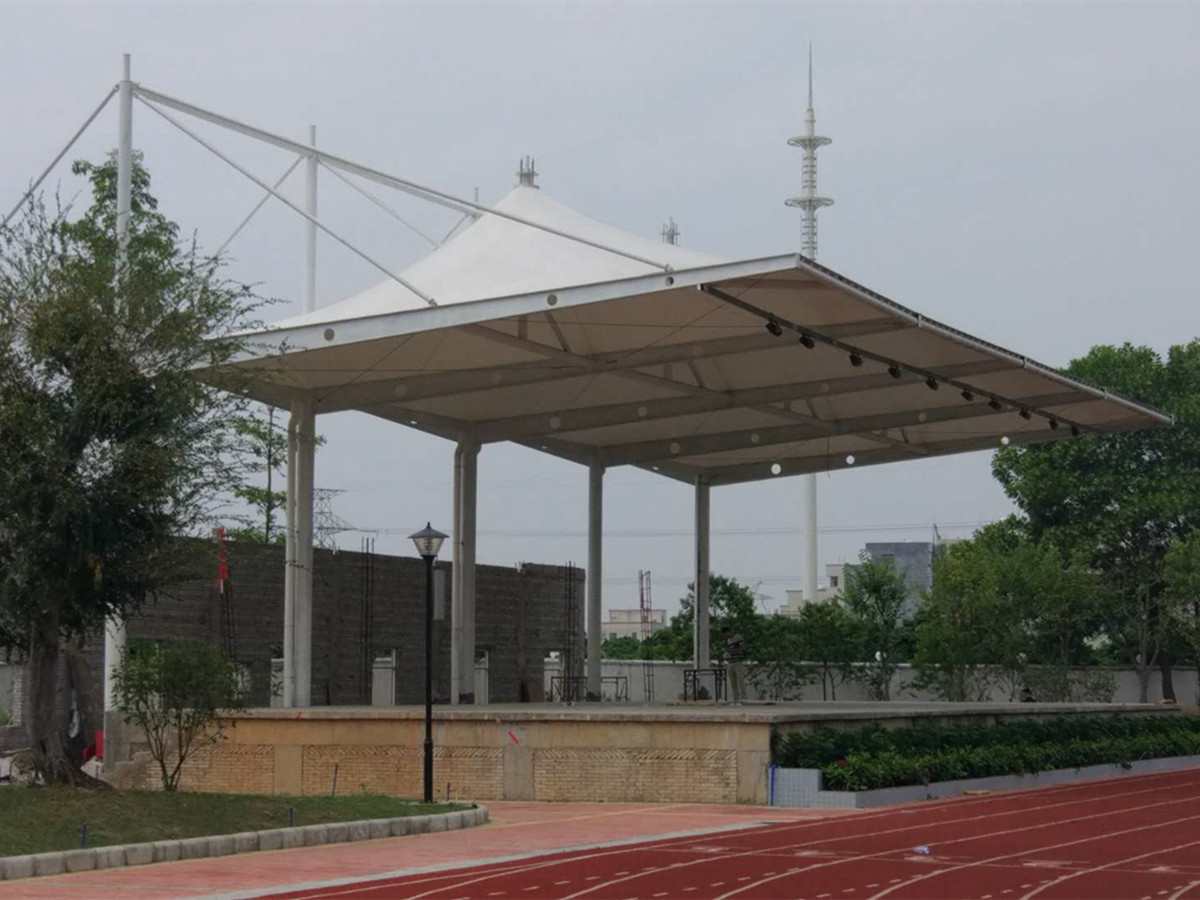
515,828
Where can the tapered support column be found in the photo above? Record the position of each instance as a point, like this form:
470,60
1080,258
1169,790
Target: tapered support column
700,634
810,539
124,168
114,648
466,660
310,227
595,576
297,629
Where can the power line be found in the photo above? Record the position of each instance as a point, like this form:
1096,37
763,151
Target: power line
785,530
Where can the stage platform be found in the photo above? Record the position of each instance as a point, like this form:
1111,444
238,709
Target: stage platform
670,753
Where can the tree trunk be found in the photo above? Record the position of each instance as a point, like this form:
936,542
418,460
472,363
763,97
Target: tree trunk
1168,683
1143,671
52,757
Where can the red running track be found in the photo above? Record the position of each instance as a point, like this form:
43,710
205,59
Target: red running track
1135,838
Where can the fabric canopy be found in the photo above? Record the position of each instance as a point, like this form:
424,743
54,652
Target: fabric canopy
612,348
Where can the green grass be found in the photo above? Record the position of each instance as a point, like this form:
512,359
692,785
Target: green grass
41,819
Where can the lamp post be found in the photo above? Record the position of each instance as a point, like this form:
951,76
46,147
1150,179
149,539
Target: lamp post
429,542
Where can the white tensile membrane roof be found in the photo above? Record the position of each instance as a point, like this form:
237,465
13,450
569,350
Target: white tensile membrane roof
694,368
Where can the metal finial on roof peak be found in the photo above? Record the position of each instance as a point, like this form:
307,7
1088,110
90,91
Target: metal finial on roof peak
526,173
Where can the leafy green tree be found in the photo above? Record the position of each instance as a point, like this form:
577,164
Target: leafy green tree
263,436
625,646
1182,576
175,693
777,660
1119,501
831,641
874,596
112,448
262,449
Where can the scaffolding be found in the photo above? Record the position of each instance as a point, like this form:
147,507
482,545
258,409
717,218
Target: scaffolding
225,595
646,607
570,683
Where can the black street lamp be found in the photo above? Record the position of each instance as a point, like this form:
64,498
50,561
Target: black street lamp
429,542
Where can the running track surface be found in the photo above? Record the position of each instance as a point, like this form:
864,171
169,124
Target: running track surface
1134,838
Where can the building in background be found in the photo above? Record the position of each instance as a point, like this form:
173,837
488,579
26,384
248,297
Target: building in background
628,622
913,559
831,588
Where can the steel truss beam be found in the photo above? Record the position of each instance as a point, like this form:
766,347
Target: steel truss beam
581,419
819,337
698,445
746,472
409,388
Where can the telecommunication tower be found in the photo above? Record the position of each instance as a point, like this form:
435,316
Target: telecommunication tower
809,202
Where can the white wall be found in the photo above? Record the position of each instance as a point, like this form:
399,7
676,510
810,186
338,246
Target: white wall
668,684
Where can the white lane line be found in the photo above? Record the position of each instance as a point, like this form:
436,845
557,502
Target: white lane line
987,836
1119,862
1045,883
592,878
759,851
557,883
1183,890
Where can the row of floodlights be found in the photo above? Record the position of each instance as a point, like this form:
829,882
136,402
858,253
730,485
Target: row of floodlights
894,369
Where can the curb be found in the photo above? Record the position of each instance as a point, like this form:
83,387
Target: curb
63,861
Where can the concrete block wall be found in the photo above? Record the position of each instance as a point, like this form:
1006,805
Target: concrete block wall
519,621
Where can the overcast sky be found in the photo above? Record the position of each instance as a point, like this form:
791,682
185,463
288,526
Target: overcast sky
1025,172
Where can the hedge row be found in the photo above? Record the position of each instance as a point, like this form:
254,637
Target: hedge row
869,771
823,746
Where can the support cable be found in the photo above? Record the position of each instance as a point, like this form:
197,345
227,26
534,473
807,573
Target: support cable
71,143
265,197
387,209
418,190
284,200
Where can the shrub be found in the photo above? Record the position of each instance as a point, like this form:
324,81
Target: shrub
175,693
823,746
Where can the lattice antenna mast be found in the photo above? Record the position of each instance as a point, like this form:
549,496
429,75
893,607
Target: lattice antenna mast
670,232
808,201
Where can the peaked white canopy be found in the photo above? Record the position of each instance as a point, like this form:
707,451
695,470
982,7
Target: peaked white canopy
606,347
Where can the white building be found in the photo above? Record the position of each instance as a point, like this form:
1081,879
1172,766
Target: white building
832,588
628,622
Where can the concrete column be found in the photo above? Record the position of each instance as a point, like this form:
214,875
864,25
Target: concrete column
470,474
456,608
301,435
595,573
700,634
114,647
810,539
289,566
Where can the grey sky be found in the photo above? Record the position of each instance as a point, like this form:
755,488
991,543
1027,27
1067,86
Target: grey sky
1026,172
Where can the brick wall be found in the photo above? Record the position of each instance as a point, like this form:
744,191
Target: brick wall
519,619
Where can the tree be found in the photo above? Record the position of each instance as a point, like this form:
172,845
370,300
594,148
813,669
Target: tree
625,646
874,596
175,693
830,640
1182,577
777,660
263,441
1118,501
112,448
